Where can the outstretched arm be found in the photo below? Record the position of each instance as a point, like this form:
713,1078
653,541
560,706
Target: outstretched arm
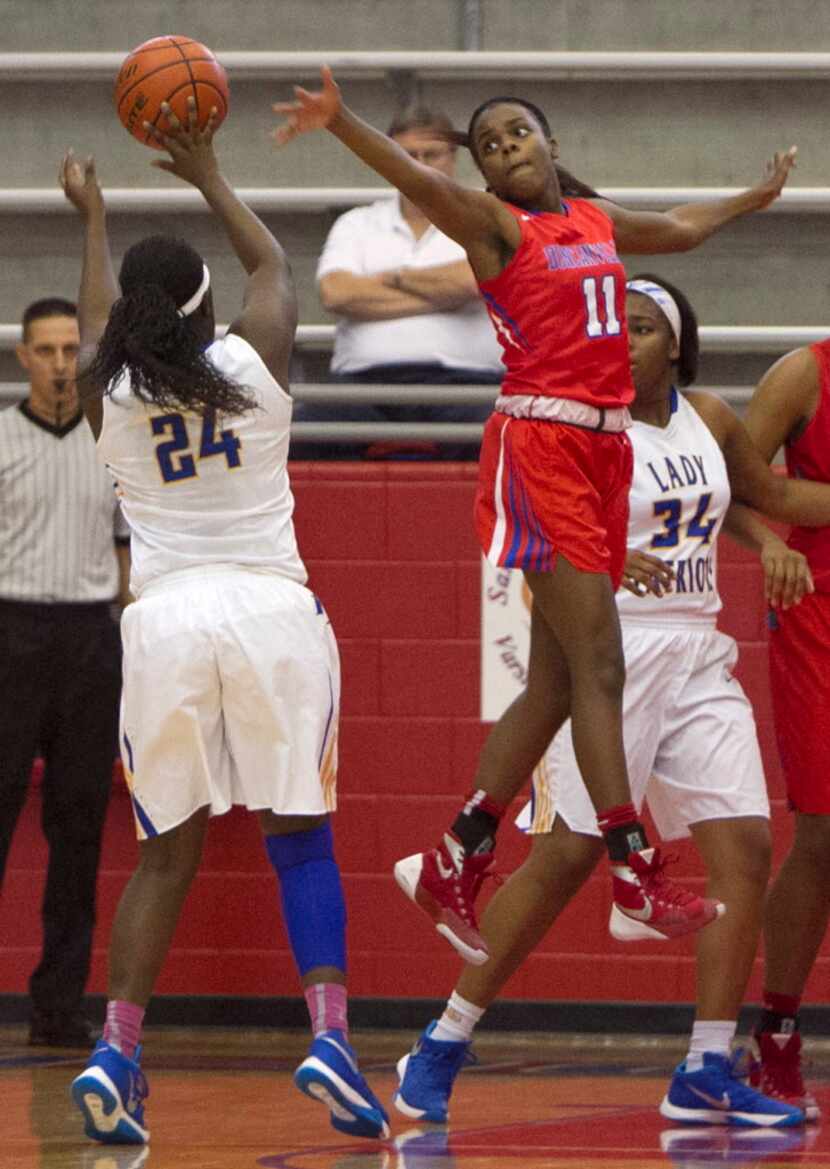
683,228
268,319
793,501
99,288
475,219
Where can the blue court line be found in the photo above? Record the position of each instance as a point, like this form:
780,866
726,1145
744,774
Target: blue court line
280,1160
35,1061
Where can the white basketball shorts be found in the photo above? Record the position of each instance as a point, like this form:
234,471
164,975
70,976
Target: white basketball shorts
690,739
231,696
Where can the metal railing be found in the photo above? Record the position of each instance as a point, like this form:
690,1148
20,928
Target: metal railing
713,338
157,200
543,66
369,432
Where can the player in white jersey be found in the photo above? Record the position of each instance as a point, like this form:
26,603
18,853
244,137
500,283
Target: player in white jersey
231,675
690,739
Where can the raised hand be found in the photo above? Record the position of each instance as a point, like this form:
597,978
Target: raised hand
80,183
190,148
776,174
311,111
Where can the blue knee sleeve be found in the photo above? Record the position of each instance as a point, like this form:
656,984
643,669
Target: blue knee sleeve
313,907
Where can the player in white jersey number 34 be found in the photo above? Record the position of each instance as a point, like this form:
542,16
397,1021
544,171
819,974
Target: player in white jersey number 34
231,675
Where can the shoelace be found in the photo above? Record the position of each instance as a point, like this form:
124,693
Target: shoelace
473,881
476,882
658,885
742,1065
141,1089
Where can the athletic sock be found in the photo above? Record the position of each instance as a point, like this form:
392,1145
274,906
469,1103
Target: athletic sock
780,1013
313,907
476,824
711,1035
122,1029
623,832
458,1021
328,1006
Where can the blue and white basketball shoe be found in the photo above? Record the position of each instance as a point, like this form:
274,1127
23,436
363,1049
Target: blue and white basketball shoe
110,1092
330,1074
427,1075
716,1095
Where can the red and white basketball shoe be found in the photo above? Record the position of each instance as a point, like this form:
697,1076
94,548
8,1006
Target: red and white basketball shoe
445,882
777,1072
649,906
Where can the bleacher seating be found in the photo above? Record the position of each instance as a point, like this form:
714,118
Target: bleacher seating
693,113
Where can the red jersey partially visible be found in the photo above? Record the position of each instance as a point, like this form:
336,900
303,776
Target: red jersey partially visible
559,308
809,458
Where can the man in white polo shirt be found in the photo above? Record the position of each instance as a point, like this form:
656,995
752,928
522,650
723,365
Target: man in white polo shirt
64,558
408,307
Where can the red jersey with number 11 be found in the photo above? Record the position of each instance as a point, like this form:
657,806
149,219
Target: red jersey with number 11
559,308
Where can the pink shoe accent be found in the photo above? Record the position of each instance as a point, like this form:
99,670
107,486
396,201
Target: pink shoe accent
122,1029
328,1007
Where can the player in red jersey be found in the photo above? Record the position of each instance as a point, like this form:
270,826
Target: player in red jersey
555,472
791,407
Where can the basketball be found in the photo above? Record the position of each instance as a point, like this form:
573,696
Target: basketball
170,69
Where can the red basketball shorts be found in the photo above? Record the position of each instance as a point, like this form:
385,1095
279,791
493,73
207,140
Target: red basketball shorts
547,488
799,658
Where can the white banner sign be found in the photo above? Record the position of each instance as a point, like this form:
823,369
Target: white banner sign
505,638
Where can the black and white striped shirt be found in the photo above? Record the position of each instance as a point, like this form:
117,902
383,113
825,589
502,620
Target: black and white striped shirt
59,515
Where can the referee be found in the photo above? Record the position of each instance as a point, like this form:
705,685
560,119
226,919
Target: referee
64,558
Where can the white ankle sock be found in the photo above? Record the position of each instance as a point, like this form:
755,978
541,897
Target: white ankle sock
458,1021
710,1035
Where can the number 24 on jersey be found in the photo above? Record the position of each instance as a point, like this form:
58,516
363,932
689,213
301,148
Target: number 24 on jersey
175,458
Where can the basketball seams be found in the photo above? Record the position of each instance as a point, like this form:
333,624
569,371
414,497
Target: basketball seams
158,69
176,54
192,83
154,48
172,94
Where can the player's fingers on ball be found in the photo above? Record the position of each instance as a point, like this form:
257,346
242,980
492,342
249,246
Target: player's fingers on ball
153,132
209,128
172,121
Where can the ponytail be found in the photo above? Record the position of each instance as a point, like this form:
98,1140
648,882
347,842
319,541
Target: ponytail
148,340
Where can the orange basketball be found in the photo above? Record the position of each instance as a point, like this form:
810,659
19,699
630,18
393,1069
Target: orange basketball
170,69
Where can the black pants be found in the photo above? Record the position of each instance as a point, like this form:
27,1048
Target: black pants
60,676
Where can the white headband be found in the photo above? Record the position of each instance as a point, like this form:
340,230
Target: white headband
664,301
198,296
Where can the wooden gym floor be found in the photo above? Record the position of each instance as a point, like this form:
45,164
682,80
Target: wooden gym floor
225,1100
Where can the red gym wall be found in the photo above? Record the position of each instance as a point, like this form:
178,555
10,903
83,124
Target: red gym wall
390,551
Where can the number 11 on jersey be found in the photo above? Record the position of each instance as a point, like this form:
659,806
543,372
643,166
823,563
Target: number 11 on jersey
605,290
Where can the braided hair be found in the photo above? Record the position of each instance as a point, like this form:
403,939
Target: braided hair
568,183
147,338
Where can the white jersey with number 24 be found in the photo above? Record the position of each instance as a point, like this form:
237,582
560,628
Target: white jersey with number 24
205,490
